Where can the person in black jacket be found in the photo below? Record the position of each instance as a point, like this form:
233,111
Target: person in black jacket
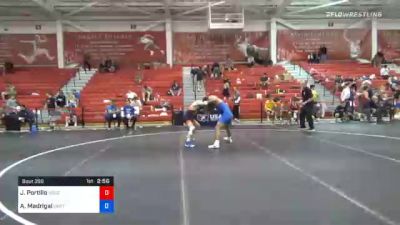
306,110
27,116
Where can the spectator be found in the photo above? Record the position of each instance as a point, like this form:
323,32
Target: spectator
264,81
77,96
131,95
175,89
229,63
269,107
71,117
129,115
226,89
323,53
71,101
61,100
10,91
147,94
278,108
385,72
294,108
12,103
338,83
200,79
236,104
26,116
306,110
86,62
378,59
347,98
216,71
112,114
51,108
365,102
137,105
315,100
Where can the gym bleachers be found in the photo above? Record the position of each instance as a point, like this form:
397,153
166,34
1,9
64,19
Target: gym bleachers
327,72
32,84
114,86
247,81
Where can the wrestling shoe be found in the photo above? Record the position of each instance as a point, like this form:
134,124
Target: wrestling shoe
189,144
214,146
228,139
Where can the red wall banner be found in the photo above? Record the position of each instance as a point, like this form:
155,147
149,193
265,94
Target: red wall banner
125,48
389,44
28,49
209,47
341,44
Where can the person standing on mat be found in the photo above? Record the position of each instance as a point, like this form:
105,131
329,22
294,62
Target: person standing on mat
307,106
191,122
224,121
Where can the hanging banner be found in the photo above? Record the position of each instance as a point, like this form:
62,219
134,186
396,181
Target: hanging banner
124,48
389,44
28,49
208,47
296,45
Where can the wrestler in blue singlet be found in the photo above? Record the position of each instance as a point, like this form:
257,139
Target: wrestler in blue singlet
225,112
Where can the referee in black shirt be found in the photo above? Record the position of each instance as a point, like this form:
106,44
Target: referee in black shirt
306,110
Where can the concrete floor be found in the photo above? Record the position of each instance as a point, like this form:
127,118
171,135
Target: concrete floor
341,174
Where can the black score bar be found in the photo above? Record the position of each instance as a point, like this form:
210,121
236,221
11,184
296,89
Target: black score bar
65,181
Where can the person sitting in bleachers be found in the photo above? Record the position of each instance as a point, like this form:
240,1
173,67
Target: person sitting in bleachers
385,72
77,96
108,66
12,103
10,91
128,114
313,58
112,114
147,94
26,115
264,81
175,89
269,107
71,118
61,100
71,101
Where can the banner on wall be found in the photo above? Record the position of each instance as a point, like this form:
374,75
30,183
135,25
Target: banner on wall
28,49
389,44
206,47
125,48
341,44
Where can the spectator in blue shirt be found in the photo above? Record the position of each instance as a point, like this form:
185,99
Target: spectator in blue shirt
77,96
129,115
113,114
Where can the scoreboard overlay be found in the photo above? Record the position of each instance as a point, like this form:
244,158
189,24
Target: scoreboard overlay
47,194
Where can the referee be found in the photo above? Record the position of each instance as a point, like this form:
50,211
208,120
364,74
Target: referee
307,106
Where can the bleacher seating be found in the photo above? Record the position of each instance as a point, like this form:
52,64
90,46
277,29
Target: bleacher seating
36,80
247,81
107,86
327,72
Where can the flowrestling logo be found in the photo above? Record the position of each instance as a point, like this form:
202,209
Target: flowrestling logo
354,14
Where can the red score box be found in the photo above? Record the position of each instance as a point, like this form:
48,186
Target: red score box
106,193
